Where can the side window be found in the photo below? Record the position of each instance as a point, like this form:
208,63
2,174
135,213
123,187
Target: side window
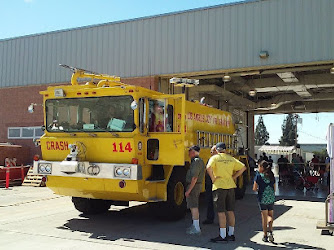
170,118
153,149
161,118
156,116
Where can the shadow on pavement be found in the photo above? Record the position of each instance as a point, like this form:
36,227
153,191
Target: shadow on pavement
300,198
285,245
133,224
136,224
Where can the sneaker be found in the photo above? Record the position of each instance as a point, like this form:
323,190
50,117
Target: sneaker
265,239
219,239
206,222
193,231
271,236
231,238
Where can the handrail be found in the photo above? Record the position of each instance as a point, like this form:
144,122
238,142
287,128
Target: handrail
17,167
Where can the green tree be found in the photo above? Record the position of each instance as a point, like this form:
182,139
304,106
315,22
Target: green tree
289,130
261,133
322,154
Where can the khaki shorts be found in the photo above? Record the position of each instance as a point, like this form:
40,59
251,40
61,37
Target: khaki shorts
224,200
193,198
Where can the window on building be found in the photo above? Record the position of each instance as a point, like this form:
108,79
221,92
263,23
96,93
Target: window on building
38,132
25,132
14,133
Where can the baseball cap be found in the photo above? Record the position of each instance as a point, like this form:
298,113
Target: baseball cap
220,145
195,147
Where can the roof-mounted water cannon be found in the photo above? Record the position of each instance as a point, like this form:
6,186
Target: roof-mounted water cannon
105,80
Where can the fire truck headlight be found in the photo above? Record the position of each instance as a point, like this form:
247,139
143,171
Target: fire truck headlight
48,168
126,172
119,171
42,168
45,168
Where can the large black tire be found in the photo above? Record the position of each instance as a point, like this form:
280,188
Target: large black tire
175,207
91,206
241,189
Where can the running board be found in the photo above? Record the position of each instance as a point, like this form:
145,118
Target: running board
155,181
155,200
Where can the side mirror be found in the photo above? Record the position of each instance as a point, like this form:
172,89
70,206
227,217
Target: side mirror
134,105
31,108
37,142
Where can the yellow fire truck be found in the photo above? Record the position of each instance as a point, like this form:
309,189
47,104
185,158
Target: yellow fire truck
107,143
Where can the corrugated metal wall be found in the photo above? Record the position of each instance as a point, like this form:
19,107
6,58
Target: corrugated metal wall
223,37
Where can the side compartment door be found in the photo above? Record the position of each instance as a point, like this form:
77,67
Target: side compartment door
166,117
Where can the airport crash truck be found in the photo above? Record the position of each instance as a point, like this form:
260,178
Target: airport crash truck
110,143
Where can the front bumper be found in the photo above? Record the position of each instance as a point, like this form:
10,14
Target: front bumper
78,169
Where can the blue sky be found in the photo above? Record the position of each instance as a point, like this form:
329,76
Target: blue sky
312,130
24,17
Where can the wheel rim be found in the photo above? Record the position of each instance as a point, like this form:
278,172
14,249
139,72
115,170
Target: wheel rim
178,193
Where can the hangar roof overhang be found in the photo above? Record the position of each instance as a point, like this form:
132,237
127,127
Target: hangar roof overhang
287,89
247,39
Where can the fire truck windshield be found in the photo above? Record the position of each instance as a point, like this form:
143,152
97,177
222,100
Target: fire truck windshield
90,114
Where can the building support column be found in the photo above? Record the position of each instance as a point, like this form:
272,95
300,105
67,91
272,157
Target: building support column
250,133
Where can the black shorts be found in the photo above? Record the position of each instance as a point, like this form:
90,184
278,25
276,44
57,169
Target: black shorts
224,200
268,207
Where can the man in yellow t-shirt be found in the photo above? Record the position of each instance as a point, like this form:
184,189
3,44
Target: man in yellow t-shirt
224,169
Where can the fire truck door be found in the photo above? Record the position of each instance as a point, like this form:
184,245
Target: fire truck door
165,142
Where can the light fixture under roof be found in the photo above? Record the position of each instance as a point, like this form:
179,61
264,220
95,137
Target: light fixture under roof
332,70
184,82
252,92
288,77
226,78
298,106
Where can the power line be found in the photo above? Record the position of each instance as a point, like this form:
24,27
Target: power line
319,138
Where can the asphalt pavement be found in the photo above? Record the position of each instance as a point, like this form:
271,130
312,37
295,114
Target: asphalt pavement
35,218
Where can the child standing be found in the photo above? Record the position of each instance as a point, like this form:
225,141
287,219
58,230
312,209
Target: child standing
264,184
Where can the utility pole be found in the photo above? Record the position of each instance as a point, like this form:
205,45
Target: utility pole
296,130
